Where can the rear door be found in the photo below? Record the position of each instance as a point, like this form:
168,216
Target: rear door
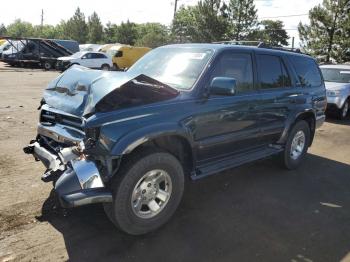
278,94
86,60
310,79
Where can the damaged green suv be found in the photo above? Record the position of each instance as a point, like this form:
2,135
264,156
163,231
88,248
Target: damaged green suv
130,139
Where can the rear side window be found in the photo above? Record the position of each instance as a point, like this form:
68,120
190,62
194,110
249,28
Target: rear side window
272,72
238,66
307,71
100,56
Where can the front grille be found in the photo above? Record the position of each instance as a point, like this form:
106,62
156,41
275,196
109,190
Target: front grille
53,117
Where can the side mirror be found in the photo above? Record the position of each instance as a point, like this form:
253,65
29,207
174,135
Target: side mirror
223,86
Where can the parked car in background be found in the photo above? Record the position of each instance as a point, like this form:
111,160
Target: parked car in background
94,60
337,80
130,139
4,47
124,56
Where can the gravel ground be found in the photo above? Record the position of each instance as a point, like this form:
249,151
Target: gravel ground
258,212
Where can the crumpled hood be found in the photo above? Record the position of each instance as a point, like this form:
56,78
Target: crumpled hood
81,91
336,86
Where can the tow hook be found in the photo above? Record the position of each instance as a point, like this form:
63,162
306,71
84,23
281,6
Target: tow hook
51,175
28,149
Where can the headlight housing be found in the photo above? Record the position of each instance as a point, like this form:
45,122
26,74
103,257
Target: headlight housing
333,93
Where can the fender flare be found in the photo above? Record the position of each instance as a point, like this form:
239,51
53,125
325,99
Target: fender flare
127,143
291,121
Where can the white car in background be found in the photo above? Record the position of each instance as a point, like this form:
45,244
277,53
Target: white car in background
95,60
337,80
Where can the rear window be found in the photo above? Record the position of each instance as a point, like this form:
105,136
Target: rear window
99,55
307,71
272,72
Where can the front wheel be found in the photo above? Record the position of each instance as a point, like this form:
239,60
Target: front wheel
147,193
343,112
297,145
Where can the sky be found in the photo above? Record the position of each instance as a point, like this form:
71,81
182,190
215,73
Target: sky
141,11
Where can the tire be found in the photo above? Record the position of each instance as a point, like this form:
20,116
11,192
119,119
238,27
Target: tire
344,111
105,67
47,66
292,159
122,210
116,67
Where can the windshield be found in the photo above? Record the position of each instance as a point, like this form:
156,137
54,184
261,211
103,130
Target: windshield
176,67
111,52
336,75
78,55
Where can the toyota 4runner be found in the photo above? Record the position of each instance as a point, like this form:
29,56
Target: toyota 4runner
130,139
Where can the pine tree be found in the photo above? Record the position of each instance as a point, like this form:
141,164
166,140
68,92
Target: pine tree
95,28
273,33
210,17
243,18
76,27
3,30
328,32
126,33
110,32
205,22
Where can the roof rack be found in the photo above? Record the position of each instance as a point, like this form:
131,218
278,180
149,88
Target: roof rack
239,42
259,44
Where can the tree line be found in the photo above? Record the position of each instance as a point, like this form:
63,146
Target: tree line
326,37
208,21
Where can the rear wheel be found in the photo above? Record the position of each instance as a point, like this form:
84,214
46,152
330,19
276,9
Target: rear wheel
344,111
147,192
47,65
297,145
105,67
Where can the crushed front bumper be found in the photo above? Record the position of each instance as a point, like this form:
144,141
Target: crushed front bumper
77,179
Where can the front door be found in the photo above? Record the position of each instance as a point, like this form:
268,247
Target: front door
229,124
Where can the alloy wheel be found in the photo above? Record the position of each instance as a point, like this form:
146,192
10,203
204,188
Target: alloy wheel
151,193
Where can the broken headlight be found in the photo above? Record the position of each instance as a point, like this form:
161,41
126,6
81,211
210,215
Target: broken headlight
91,136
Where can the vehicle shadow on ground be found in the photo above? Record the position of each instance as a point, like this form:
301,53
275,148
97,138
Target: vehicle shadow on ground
256,212
333,120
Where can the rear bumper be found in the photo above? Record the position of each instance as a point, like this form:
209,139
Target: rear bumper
78,180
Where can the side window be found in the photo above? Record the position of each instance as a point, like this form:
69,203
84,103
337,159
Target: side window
101,56
87,56
307,71
272,72
95,55
118,54
238,66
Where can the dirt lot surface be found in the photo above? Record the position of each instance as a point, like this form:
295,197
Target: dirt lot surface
258,212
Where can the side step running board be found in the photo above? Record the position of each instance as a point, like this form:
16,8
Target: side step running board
233,161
